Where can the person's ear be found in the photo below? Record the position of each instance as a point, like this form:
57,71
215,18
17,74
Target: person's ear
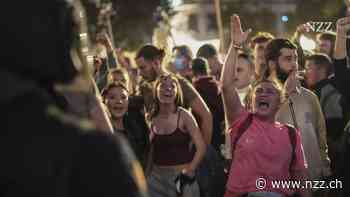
156,63
323,72
271,69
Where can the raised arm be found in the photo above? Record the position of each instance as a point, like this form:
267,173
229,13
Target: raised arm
341,71
232,104
199,109
343,26
302,29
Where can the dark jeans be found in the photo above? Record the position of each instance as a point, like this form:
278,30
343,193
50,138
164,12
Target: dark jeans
210,174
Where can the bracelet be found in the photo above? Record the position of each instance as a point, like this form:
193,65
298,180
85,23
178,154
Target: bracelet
236,46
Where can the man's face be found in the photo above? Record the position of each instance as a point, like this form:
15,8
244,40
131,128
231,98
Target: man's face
181,61
214,64
259,58
324,46
313,73
288,60
243,73
147,69
182,64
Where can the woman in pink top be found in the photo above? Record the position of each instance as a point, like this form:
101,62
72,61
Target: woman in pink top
265,151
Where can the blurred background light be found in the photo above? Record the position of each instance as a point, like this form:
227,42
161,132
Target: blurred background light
175,3
284,18
307,43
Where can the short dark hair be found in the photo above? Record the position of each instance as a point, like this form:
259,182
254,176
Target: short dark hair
274,46
273,51
323,61
207,51
150,52
200,66
326,36
184,50
261,37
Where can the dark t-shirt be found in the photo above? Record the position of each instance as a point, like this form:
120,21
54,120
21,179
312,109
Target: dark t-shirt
136,132
209,90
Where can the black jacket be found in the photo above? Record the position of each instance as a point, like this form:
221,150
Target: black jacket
45,153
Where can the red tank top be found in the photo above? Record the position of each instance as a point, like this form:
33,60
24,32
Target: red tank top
172,149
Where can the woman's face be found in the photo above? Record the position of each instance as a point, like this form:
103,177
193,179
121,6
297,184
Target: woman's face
166,90
117,100
266,100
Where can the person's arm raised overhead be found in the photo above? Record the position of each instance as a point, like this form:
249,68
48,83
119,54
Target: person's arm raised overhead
341,71
343,26
232,104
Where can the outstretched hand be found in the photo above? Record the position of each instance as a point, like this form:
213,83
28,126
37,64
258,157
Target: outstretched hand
292,85
238,36
304,28
343,25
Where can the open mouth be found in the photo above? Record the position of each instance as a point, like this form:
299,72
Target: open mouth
117,108
263,104
168,94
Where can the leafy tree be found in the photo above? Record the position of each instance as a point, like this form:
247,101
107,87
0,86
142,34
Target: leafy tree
132,21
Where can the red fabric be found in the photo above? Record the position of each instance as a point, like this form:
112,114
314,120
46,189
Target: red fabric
263,151
172,149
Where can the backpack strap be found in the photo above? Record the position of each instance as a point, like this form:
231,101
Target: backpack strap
243,127
293,141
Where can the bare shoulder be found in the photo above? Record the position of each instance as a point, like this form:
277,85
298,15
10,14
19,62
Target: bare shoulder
187,121
185,113
186,116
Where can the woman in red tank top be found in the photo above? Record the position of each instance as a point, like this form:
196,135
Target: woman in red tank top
173,133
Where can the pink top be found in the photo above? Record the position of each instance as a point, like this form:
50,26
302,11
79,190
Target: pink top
263,151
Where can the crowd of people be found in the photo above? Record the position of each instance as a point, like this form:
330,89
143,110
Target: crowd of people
193,127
